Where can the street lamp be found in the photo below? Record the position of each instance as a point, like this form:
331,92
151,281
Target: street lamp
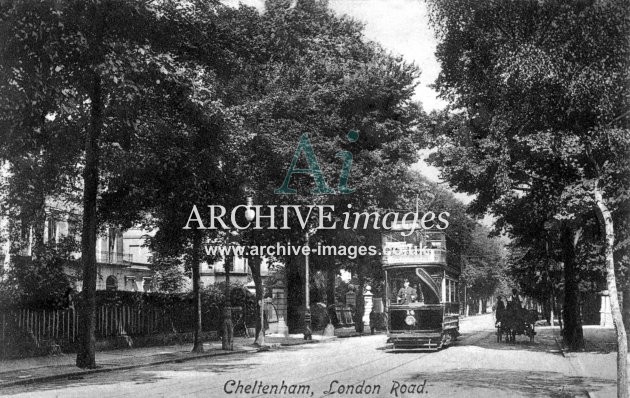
250,214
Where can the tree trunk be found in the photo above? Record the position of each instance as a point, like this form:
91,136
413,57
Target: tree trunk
227,338
625,309
358,314
331,276
572,333
254,265
308,325
87,309
548,311
196,280
295,295
466,308
622,342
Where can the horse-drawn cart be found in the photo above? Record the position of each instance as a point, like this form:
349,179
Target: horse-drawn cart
516,321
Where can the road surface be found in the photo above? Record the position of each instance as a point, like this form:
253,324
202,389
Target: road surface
477,366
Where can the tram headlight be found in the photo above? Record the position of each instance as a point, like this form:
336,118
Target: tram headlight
410,320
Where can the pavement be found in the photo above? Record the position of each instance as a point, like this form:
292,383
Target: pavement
596,362
42,369
598,359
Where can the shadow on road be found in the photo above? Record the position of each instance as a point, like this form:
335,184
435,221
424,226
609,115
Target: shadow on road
529,383
544,341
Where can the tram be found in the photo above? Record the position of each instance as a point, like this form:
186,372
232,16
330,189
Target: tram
421,289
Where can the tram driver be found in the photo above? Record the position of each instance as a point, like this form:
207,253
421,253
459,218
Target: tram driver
407,294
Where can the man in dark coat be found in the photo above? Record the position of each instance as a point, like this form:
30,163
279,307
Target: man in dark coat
515,301
500,309
407,294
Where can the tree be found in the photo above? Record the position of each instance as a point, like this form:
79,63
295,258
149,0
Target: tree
544,94
43,281
173,167
39,122
316,74
109,61
483,265
186,150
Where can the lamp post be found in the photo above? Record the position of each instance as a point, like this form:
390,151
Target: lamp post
308,334
250,214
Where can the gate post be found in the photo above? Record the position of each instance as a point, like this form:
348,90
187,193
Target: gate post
367,297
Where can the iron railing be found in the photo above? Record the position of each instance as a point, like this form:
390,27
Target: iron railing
109,257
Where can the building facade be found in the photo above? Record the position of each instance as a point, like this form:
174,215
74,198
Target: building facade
123,260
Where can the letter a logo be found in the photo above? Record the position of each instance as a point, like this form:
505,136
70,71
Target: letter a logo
313,169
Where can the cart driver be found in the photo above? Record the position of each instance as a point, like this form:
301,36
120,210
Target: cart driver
407,294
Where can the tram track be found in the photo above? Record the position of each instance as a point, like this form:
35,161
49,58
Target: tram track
353,368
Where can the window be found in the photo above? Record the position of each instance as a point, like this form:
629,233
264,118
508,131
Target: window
451,291
111,283
132,283
74,226
146,284
455,287
52,230
448,291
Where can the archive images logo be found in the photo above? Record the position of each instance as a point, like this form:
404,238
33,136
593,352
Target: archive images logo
322,188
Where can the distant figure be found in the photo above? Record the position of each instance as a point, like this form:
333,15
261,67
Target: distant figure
500,309
407,294
373,321
68,298
515,302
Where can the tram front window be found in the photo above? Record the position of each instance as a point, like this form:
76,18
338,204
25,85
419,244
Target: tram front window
406,288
